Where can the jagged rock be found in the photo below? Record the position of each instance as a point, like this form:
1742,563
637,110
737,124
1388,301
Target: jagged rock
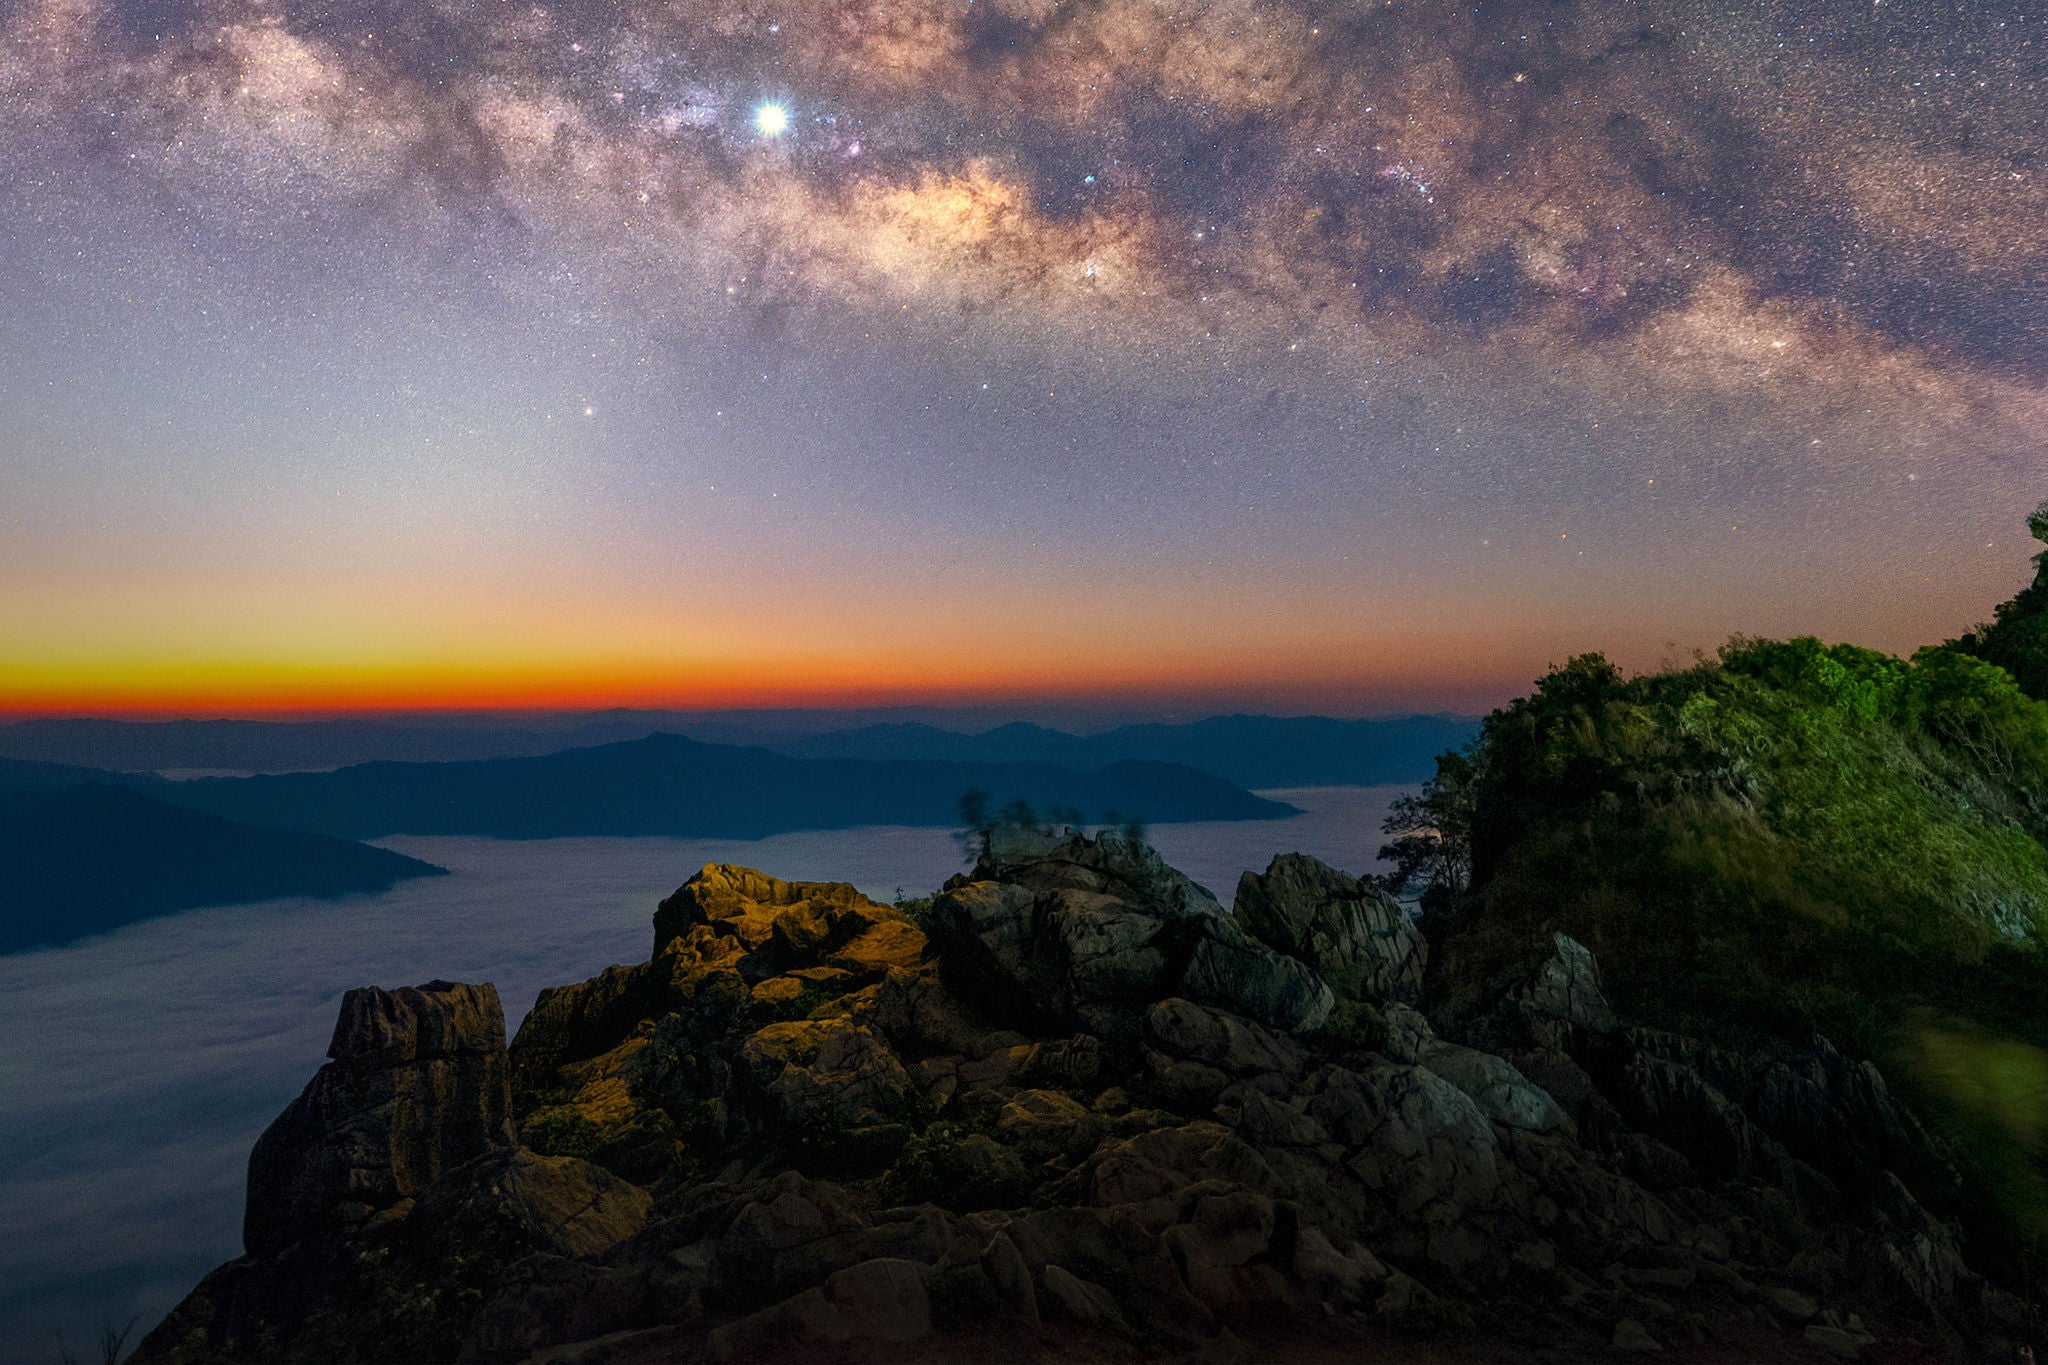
1233,970
1419,1140
1502,1093
1923,1254
921,1018
560,1206
574,1023
1679,1104
1079,928
826,1070
1109,864
1355,936
418,1084
1042,1124
799,924
1567,987
1216,1038
1092,1102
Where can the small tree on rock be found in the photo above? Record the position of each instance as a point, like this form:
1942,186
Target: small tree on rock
1432,847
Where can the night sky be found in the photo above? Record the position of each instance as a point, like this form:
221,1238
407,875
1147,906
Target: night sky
1297,356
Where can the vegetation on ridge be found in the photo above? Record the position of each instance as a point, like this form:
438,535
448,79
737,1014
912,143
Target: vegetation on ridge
1787,838
2016,638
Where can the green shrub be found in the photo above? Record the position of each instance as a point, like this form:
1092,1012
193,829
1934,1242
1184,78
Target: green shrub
559,1130
955,1166
1791,837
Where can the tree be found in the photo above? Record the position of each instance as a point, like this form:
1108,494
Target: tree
1433,843
2016,638
978,823
975,824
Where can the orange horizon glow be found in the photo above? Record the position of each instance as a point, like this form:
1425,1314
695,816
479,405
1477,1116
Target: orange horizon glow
279,692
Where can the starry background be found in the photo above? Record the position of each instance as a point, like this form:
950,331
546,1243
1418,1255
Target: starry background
1299,355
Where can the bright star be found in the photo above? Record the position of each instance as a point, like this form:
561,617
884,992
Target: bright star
771,119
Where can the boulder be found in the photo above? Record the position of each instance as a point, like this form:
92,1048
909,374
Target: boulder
1078,930
799,924
1502,1093
1355,936
1416,1139
1084,1302
883,1300
523,1203
1110,863
826,1071
1217,1038
419,1084
1231,969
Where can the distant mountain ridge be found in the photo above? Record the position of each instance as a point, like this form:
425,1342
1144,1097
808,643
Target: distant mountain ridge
85,858
1252,751
671,785
17,775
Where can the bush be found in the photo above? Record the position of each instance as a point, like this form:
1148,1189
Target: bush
1791,837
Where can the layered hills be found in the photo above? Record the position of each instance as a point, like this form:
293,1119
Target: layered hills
87,850
667,784
81,859
1253,751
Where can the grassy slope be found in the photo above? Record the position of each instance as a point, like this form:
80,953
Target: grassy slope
1794,837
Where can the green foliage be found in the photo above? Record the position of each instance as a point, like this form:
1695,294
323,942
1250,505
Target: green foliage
916,909
1791,837
559,1130
2016,638
952,1165
1433,843
1353,1026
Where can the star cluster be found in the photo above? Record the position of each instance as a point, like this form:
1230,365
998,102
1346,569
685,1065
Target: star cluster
1278,305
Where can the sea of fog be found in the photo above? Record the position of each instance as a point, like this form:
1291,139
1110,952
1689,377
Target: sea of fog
137,1068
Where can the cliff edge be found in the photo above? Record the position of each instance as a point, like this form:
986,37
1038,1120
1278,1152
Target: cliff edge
1070,1108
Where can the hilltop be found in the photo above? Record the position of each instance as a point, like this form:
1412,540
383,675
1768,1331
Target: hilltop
1070,1109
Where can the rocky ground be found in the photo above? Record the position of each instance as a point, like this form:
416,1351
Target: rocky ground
1071,1109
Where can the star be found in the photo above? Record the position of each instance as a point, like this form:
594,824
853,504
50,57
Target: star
771,119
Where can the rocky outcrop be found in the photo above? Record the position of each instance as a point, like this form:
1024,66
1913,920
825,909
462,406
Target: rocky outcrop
1353,934
1076,1110
418,1085
1081,932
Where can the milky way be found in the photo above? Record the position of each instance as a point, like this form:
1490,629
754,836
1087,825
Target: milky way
1358,353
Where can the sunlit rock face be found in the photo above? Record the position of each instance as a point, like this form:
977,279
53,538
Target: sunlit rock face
419,1084
1068,1107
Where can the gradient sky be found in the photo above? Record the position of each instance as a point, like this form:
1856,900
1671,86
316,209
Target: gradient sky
1307,356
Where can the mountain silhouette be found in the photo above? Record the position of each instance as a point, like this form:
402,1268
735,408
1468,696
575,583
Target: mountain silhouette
668,785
